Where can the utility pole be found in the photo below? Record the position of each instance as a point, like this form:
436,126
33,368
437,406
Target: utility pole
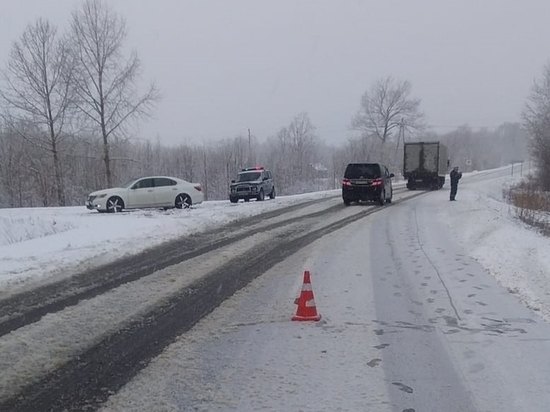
249,149
400,136
205,165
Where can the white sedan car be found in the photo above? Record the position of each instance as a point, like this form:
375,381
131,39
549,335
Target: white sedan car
153,191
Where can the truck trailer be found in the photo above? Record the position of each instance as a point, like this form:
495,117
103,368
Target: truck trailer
425,165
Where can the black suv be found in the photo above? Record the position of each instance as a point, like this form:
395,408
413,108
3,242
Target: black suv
367,182
252,183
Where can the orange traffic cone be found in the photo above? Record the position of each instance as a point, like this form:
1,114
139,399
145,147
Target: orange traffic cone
306,302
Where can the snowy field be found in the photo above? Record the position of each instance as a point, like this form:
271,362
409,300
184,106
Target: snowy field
43,243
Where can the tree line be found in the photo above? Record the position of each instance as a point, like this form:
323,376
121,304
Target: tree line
60,85
70,100
299,160
536,119
27,178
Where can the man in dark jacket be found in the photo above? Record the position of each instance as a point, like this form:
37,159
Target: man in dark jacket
455,177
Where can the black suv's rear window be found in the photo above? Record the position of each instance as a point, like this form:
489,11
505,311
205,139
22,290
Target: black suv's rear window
362,171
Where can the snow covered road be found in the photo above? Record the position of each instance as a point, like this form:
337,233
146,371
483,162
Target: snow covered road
427,305
131,323
411,322
456,337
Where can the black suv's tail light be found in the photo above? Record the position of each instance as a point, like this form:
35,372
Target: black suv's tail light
346,182
376,182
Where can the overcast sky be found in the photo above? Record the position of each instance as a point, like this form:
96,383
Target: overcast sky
229,65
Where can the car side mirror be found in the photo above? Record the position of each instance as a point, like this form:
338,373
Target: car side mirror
392,175
232,181
265,178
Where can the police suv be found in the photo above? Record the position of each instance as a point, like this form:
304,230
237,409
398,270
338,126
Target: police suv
252,183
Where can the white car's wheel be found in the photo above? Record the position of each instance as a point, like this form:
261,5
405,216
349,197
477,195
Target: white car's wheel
115,204
183,201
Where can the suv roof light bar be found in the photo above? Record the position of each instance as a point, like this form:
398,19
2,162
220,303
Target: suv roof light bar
248,169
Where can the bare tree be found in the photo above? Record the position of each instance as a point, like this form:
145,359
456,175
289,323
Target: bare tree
303,142
37,92
293,154
386,108
13,173
106,89
513,143
536,118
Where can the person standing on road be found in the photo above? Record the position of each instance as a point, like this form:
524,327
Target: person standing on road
455,177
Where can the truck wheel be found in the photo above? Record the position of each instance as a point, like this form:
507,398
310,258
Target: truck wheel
233,199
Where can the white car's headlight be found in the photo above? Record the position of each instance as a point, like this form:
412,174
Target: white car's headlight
101,196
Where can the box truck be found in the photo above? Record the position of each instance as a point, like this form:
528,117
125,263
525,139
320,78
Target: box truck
425,165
